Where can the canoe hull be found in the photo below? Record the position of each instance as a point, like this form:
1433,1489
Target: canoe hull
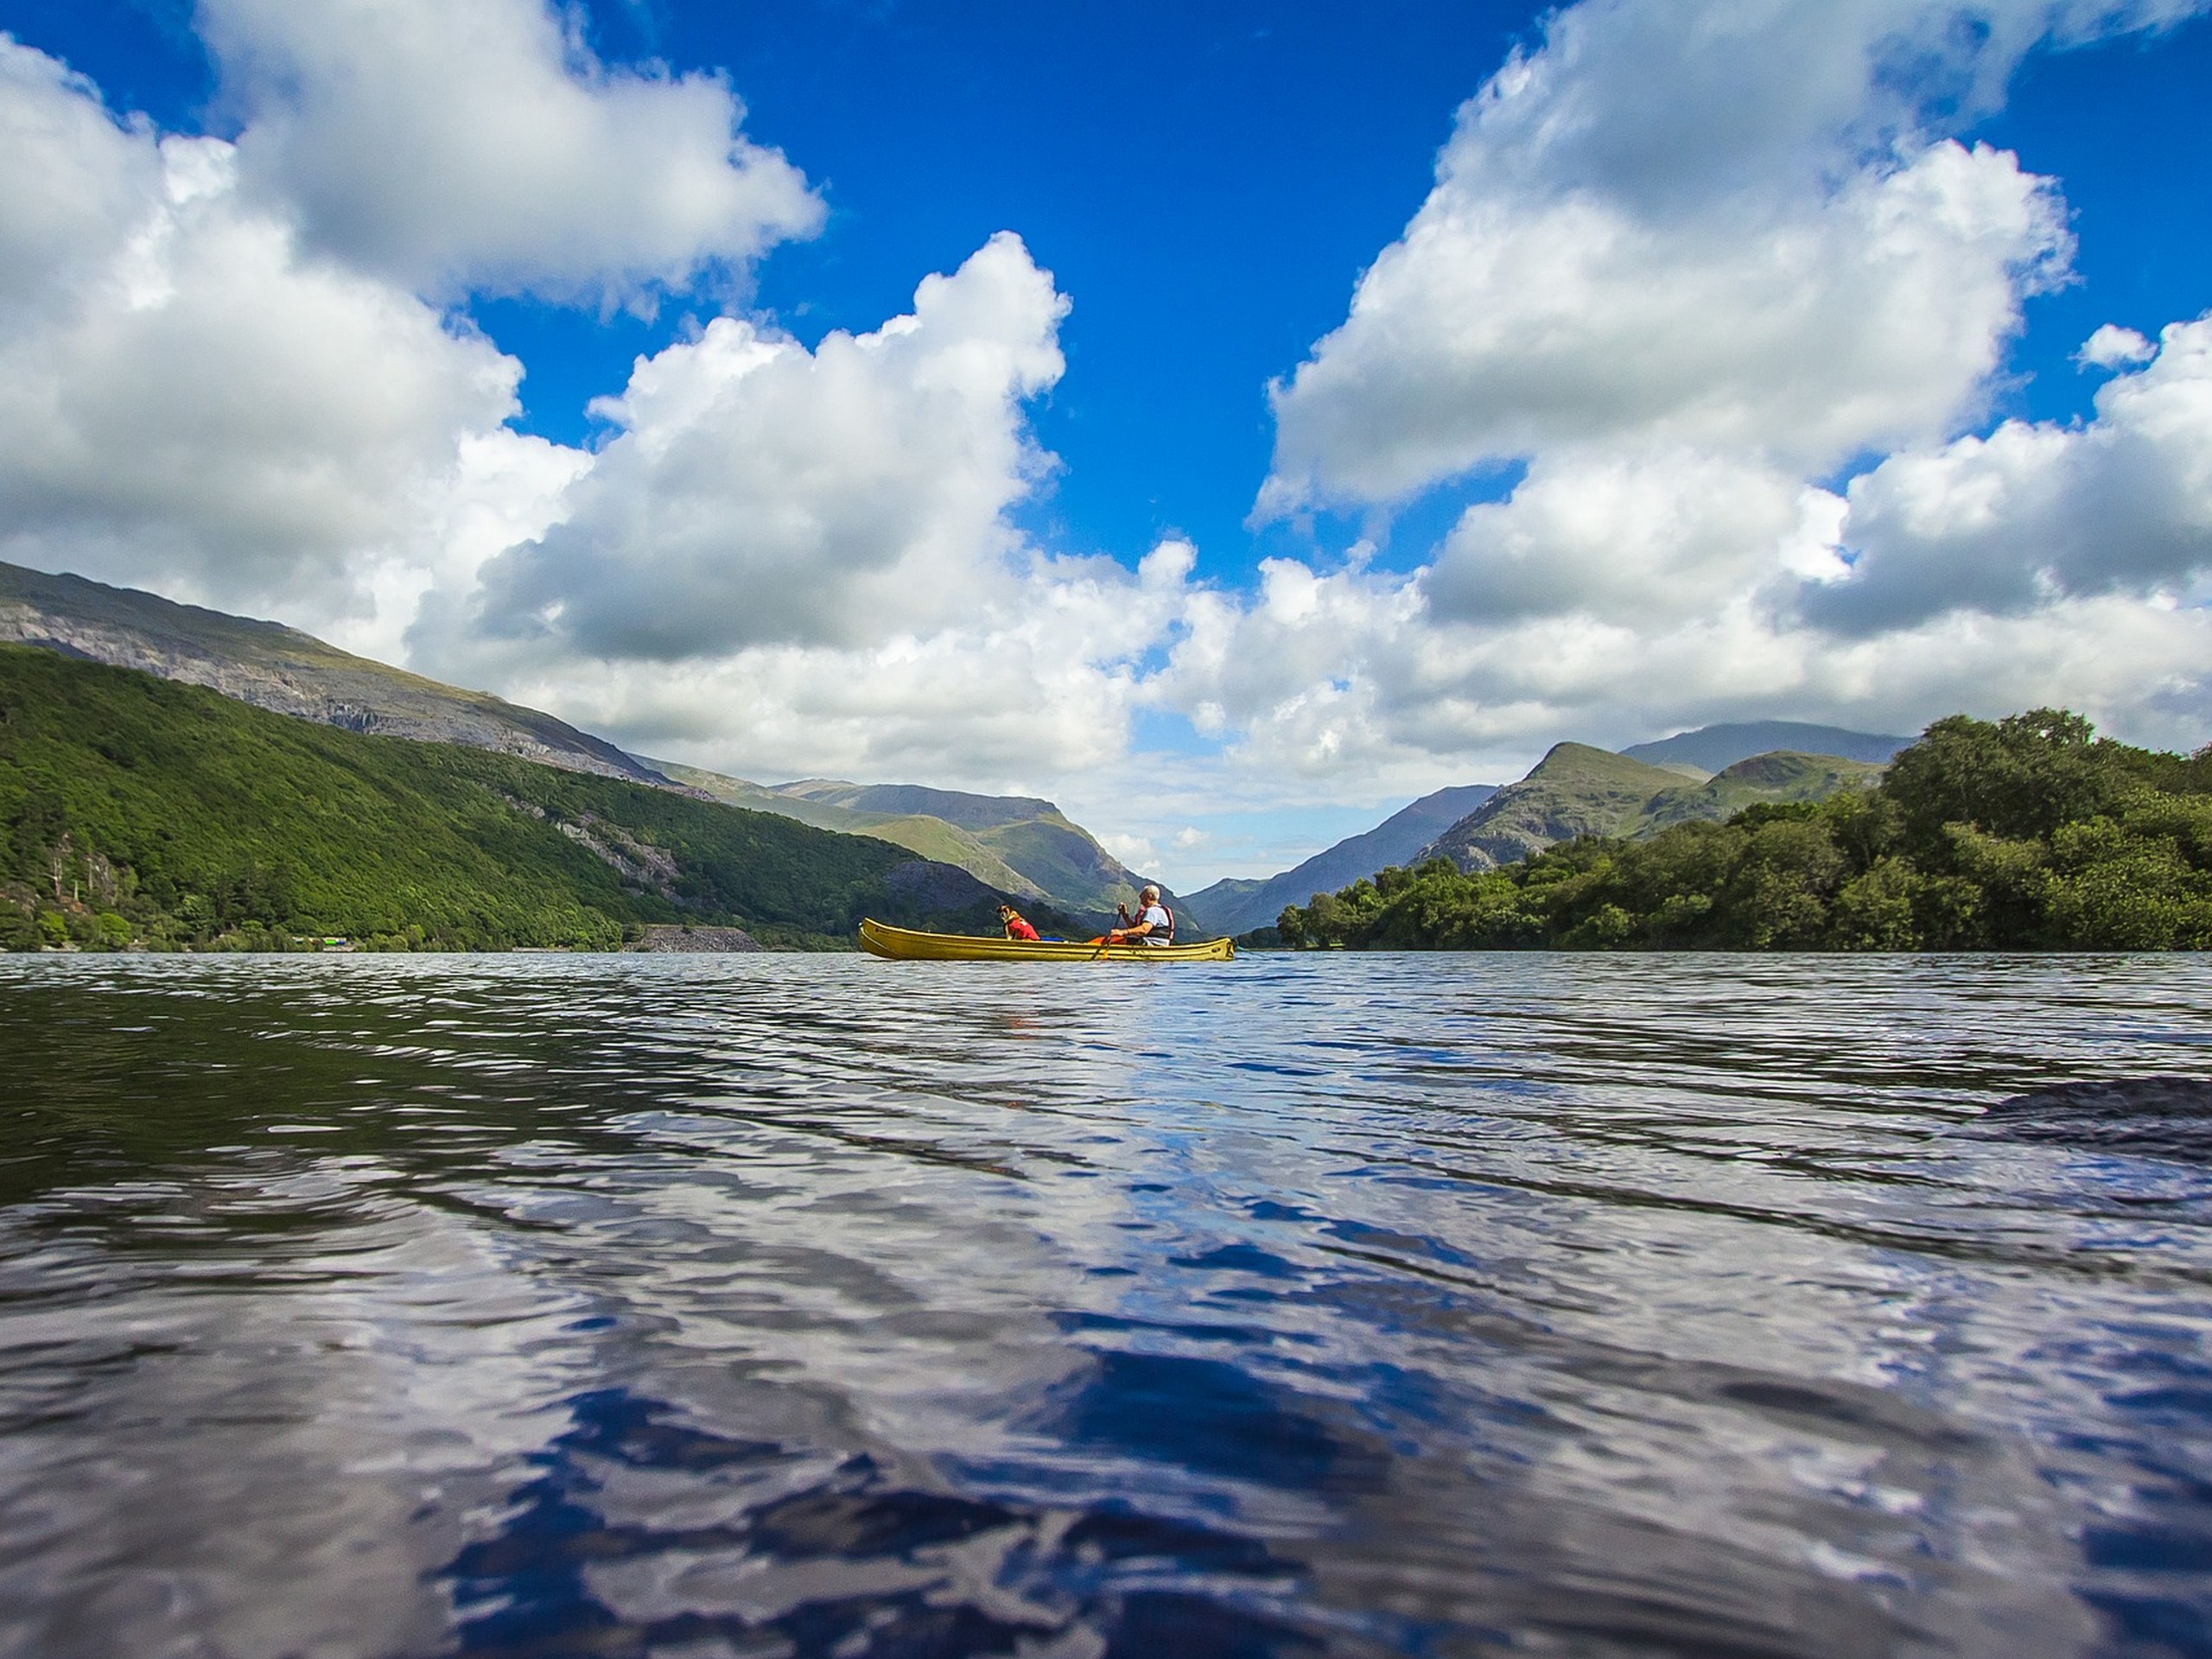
905,944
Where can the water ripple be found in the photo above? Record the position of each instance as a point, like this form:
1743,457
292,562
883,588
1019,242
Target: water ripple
1346,1305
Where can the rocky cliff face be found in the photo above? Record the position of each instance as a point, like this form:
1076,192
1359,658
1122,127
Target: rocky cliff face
286,672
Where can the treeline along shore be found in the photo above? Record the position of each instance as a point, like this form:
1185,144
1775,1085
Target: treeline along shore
2028,833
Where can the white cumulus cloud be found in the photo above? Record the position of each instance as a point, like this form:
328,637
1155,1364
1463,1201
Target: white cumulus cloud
188,399
1031,685
2004,522
759,494
483,146
1633,538
2111,346
1699,224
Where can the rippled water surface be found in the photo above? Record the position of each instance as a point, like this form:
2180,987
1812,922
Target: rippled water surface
1360,1305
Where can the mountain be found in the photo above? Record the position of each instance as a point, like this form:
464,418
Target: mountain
1018,843
1714,748
1238,905
1573,790
133,809
932,837
1779,776
916,800
286,672
1578,791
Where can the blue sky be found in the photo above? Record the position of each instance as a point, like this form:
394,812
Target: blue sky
1838,458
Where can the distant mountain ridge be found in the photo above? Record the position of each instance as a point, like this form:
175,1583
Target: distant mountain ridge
1576,790
906,800
286,672
1715,748
1020,844
1239,905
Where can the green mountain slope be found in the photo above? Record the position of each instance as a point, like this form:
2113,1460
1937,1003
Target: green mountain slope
1063,859
1576,790
288,672
908,800
1573,790
283,670
132,808
1033,836
1763,777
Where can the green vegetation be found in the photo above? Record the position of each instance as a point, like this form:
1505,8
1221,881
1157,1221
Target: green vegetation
2031,833
138,812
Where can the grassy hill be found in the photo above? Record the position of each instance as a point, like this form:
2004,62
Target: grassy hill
953,806
284,670
1578,791
133,809
1762,777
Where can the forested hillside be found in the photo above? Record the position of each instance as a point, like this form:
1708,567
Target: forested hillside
134,810
2029,833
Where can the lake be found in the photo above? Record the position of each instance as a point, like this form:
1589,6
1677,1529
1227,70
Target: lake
1364,1304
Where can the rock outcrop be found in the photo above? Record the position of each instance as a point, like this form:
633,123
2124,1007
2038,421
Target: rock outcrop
673,939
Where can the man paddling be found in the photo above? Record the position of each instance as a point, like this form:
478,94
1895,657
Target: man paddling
1153,926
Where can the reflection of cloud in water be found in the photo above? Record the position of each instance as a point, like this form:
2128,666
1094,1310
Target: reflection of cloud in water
845,1559
255,1457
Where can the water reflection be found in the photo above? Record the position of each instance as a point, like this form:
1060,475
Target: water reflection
1384,1304
767,1549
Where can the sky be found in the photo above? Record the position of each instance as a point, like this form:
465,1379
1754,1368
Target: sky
1230,421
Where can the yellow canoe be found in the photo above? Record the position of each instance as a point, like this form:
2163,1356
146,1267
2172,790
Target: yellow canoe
904,944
